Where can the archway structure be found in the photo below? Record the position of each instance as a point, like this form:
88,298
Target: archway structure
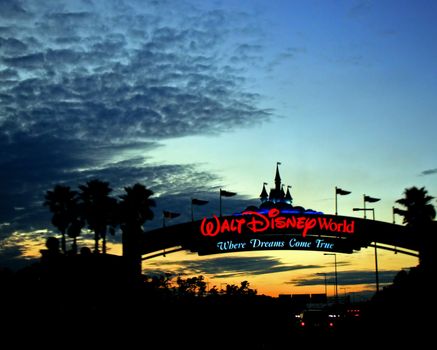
279,225
274,229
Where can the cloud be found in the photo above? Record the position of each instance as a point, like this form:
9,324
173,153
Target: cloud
167,84
340,263
347,278
225,267
90,89
17,250
11,9
12,257
8,74
31,61
12,46
26,189
289,54
429,172
360,8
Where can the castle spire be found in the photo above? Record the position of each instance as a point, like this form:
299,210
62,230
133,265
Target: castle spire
282,194
288,198
264,196
277,178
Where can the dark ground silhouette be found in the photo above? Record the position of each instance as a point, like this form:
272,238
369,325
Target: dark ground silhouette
86,299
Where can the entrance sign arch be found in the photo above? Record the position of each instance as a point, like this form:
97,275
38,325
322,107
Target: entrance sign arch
278,225
274,229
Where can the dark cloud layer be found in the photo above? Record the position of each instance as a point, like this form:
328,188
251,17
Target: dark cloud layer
12,9
225,267
89,88
84,72
347,278
429,172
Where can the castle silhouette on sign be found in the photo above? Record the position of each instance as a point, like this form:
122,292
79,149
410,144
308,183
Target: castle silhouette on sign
277,194
278,198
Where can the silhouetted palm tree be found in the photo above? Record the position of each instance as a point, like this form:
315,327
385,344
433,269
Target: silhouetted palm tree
62,202
134,210
419,211
418,215
98,210
135,207
75,229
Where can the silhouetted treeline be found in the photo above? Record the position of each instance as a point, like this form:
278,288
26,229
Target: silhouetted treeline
88,294
94,208
406,308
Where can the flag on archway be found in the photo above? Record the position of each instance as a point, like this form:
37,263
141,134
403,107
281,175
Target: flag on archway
195,201
371,199
342,192
224,193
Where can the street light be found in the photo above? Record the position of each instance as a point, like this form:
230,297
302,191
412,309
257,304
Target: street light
335,269
376,250
326,286
366,209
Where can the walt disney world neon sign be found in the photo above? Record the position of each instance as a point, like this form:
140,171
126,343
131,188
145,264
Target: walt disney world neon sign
255,222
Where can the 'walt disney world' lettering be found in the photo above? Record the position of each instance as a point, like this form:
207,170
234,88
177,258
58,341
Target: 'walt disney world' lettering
256,222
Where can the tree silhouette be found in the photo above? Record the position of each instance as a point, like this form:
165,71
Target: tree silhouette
214,291
419,212
160,281
419,215
243,289
231,289
62,202
191,286
134,211
98,209
76,225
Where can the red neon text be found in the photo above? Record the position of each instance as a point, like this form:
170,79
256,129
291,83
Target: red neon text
257,222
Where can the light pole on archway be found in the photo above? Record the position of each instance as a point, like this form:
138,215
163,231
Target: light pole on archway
335,271
376,250
326,286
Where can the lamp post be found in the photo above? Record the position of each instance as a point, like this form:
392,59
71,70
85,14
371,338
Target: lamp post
376,250
326,286
335,270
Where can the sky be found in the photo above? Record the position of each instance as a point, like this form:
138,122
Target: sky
188,97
